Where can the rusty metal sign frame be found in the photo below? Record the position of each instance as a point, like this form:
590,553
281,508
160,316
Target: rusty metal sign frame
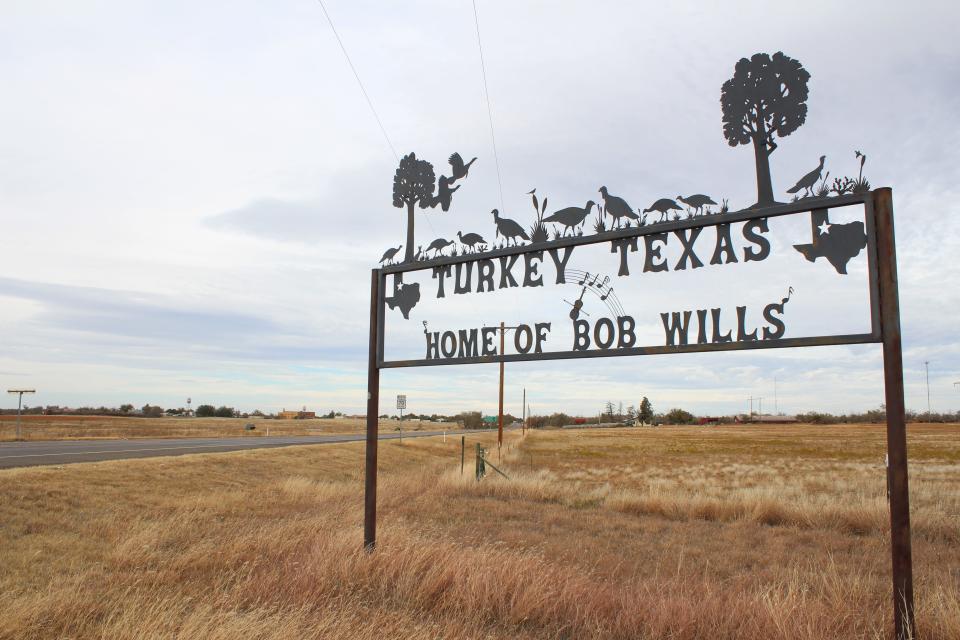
885,329
801,206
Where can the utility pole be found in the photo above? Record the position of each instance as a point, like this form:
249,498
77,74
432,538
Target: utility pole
751,409
500,410
524,423
776,407
503,330
926,365
20,393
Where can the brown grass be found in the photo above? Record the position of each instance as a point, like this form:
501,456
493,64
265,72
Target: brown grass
681,533
94,427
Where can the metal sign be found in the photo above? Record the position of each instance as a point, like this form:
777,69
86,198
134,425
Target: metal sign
401,402
682,274
628,291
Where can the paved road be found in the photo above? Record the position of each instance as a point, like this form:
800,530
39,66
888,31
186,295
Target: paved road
24,454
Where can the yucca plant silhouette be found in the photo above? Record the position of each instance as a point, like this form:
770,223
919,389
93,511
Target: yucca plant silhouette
599,226
845,185
823,190
861,184
538,232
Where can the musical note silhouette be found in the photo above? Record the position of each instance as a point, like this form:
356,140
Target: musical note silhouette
584,279
789,293
594,279
607,294
606,279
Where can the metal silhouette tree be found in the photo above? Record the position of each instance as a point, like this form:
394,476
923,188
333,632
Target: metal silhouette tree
413,184
766,97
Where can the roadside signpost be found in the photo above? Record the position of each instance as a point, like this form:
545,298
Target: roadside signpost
401,405
818,270
20,393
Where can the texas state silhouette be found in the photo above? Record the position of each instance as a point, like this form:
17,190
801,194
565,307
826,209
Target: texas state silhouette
838,243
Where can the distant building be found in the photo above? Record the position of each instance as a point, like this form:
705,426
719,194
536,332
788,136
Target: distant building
296,415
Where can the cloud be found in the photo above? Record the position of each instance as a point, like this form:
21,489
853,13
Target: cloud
207,208
275,219
139,328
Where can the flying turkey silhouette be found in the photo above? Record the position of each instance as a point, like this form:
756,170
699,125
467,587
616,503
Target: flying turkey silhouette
460,170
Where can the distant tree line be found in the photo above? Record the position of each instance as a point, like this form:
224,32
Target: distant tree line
474,419
616,414
209,411
425,417
128,410
875,416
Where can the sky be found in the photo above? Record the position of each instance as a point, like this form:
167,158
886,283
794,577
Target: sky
192,194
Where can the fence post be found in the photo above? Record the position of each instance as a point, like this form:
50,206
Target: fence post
463,448
481,468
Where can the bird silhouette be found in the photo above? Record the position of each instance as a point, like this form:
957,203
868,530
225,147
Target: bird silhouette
444,193
806,182
571,217
389,254
508,228
460,170
471,239
617,207
697,201
663,206
438,245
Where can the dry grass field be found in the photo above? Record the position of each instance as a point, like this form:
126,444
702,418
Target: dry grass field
679,533
92,427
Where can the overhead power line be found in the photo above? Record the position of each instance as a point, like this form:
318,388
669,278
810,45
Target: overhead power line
486,93
366,96
359,82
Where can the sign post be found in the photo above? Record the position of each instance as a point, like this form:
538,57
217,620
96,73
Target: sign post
373,410
20,393
401,405
900,547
